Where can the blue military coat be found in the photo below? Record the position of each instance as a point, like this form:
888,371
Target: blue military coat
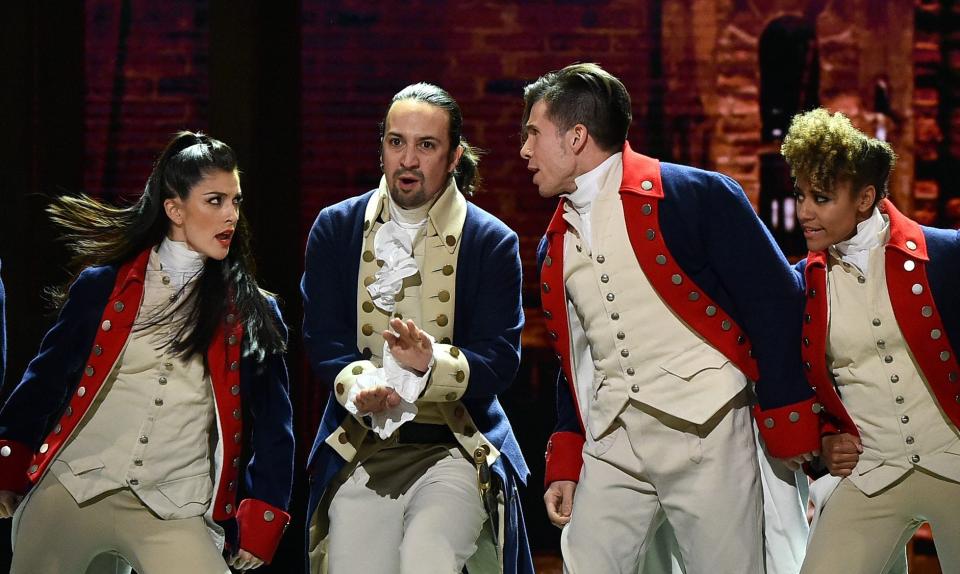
74,360
735,289
489,319
922,267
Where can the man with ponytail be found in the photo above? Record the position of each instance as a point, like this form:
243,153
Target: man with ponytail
412,321
153,428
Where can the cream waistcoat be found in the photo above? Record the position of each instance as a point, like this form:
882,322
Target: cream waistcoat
881,385
639,348
150,427
429,299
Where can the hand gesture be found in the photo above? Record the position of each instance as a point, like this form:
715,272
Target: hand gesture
840,452
243,560
376,400
559,501
411,346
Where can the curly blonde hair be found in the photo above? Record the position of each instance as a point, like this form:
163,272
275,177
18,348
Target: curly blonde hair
826,149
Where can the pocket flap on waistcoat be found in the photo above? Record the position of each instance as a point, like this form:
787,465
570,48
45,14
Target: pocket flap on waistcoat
85,464
864,466
687,364
183,491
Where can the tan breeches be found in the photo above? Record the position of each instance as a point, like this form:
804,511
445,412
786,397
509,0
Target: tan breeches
704,479
864,534
55,535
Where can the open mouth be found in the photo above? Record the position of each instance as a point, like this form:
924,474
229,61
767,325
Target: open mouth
224,237
408,181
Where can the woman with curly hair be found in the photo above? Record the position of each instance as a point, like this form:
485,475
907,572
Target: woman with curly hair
881,334
154,424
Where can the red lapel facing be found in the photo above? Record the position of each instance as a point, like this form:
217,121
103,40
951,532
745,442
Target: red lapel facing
813,348
553,300
112,333
641,192
908,289
916,312
224,357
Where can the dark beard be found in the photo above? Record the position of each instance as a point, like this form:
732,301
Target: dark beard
408,200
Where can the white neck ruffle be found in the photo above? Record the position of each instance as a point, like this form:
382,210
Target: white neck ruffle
393,244
871,232
178,262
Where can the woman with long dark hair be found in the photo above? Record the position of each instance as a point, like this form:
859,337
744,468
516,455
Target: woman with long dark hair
154,424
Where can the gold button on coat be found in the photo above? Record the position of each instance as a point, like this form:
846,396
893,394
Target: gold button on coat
442,320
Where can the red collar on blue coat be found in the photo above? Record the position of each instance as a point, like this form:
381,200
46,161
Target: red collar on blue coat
908,288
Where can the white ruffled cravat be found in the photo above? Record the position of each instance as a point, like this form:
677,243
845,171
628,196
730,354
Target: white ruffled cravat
393,244
871,232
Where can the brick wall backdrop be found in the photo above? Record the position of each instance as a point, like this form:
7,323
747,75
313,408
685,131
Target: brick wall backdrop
357,54
146,78
936,112
690,65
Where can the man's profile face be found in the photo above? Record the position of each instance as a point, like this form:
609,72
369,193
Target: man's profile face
548,154
416,152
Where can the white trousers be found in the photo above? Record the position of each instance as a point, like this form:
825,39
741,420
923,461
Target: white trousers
55,535
653,467
406,510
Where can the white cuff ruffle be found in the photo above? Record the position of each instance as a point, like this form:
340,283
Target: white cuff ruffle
408,384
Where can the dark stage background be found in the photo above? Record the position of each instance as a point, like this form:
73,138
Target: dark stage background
92,90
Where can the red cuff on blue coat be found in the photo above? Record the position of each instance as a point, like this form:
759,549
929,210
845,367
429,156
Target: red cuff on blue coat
790,430
261,527
564,457
15,458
